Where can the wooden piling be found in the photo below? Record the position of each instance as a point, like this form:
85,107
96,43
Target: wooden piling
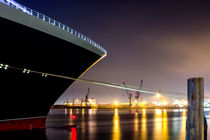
195,114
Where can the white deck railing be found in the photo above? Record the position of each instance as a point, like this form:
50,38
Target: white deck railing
52,21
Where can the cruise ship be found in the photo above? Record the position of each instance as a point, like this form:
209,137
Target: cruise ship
36,53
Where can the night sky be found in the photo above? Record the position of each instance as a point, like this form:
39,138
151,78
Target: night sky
163,43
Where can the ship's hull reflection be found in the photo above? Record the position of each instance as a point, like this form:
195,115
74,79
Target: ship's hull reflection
39,134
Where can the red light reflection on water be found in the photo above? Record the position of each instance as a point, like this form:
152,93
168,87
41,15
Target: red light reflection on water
74,133
73,116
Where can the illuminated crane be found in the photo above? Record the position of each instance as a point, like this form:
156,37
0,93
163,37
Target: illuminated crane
138,94
86,97
129,95
84,101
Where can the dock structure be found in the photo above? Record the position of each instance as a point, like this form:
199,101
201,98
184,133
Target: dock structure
195,125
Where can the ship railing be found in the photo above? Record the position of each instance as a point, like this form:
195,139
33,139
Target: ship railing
53,22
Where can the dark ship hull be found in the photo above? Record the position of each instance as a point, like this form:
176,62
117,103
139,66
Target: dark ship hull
26,97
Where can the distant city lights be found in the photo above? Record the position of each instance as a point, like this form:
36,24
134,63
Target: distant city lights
116,103
157,95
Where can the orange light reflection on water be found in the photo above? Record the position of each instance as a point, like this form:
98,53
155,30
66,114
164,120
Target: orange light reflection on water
157,124
160,124
136,125
70,117
116,126
144,125
83,112
183,124
83,124
165,125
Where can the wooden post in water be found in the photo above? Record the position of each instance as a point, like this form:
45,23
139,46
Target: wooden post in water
195,113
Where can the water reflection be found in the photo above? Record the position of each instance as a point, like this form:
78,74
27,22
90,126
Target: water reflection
37,134
70,112
160,124
136,125
90,111
83,112
74,134
183,124
92,124
157,124
165,125
70,117
83,124
77,111
116,126
144,125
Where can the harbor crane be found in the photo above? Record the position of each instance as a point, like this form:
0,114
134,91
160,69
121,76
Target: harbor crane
138,94
86,97
129,95
85,100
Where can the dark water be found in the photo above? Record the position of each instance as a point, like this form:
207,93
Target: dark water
113,124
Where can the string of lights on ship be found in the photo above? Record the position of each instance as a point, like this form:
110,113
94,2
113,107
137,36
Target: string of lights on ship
171,94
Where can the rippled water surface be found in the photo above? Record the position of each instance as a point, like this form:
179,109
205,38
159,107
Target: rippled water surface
113,124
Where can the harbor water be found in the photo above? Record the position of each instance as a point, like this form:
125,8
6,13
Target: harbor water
110,124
